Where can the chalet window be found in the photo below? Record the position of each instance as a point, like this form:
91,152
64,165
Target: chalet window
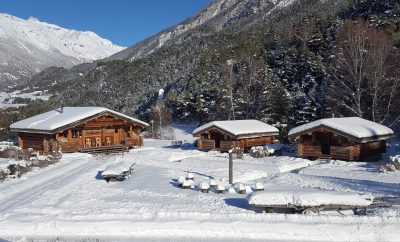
65,134
75,133
116,131
136,130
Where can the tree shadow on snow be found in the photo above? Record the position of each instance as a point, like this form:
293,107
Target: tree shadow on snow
201,174
237,202
98,177
174,182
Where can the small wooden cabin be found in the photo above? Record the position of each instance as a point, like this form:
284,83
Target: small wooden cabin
72,129
225,135
353,139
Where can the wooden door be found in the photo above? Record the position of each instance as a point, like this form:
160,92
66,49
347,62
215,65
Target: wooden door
217,137
324,139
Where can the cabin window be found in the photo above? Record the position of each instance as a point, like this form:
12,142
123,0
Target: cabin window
116,131
136,130
75,133
65,134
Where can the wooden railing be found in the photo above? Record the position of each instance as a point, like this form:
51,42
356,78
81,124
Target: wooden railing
69,146
341,153
206,144
226,145
308,150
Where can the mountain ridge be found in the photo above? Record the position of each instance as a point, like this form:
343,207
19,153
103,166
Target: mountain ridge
29,46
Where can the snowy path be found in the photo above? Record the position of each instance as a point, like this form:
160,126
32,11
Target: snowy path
29,187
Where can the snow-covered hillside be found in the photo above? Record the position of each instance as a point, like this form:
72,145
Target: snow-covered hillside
28,46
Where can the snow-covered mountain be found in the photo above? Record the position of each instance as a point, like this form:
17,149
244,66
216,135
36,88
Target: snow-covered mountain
29,46
218,15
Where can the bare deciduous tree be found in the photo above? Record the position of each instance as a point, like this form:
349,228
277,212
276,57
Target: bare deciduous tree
365,82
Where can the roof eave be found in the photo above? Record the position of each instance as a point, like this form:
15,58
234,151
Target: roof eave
236,136
349,136
73,124
36,131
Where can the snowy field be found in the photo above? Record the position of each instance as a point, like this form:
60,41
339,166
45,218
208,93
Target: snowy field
69,201
6,99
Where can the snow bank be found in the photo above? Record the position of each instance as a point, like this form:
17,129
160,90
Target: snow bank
305,197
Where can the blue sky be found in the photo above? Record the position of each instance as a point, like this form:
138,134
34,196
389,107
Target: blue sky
124,22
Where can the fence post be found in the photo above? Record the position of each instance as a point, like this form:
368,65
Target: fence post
230,167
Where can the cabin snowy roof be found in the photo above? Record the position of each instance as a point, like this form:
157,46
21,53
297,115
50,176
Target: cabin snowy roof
239,128
355,127
56,119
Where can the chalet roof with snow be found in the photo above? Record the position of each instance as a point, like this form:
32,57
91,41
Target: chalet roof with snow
239,128
355,128
58,120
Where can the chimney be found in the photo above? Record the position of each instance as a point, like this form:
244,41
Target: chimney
62,107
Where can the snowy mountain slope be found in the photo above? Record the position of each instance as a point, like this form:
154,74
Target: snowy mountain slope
29,46
218,15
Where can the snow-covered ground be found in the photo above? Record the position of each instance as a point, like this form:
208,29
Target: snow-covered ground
69,200
6,99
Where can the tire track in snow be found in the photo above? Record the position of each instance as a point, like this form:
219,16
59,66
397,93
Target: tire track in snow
29,193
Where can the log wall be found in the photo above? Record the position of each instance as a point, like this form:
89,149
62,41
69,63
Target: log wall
206,144
99,132
225,145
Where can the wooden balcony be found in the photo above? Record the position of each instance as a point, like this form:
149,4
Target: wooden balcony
206,144
309,150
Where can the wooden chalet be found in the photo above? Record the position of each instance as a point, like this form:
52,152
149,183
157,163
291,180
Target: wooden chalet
353,139
243,134
72,129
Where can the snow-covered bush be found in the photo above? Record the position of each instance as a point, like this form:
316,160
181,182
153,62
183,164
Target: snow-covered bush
21,161
393,165
266,150
258,152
